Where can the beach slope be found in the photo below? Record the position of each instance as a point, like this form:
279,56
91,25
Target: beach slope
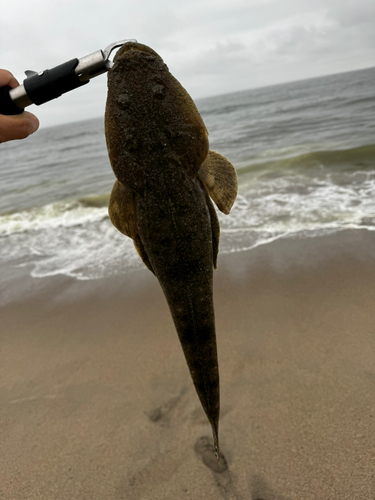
96,401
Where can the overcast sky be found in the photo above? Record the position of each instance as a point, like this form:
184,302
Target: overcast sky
211,46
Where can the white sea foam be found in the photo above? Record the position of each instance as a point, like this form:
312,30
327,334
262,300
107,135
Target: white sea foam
53,215
66,238
291,206
78,240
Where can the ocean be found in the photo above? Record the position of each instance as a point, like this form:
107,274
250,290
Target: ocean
304,154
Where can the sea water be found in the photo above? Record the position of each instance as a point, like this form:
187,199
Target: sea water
304,154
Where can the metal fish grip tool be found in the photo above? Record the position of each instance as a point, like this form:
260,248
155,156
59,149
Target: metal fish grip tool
49,84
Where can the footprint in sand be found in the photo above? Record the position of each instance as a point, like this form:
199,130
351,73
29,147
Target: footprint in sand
205,448
163,413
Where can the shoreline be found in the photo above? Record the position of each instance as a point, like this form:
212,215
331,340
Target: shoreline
96,400
17,286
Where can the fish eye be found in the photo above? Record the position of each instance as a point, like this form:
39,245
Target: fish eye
158,91
123,101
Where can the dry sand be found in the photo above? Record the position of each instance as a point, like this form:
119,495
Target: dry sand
96,401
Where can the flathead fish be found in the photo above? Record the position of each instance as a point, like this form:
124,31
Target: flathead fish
158,149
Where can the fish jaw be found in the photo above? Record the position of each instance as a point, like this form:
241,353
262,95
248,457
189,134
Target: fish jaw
128,46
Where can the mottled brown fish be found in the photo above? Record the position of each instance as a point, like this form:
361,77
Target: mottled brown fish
158,148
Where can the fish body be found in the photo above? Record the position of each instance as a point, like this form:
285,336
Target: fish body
158,148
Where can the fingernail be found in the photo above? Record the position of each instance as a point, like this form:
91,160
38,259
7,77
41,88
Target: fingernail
34,122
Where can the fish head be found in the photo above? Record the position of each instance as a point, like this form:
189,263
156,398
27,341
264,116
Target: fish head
150,118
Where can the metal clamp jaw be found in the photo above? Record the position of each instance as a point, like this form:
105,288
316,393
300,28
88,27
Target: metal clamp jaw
96,63
42,87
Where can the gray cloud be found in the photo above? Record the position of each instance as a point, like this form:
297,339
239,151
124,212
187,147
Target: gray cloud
351,13
213,47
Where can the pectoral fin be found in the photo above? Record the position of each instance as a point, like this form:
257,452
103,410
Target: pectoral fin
121,210
123,216
220,180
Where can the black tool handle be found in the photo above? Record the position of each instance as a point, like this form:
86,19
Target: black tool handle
52,83
7,106
44,86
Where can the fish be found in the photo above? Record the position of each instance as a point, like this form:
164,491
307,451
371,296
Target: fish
166,176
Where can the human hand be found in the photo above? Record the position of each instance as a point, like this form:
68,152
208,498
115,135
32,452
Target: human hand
15,126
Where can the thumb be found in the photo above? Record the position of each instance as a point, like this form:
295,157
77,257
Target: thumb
17,126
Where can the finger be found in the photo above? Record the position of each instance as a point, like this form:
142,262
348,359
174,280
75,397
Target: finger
6,78
17,126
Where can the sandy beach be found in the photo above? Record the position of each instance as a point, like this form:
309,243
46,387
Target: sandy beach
96,402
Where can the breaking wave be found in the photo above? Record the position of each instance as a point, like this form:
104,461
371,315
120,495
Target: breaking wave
301,196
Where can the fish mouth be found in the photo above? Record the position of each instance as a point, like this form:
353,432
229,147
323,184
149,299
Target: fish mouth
130,46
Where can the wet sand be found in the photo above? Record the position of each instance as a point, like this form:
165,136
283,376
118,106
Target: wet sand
96,401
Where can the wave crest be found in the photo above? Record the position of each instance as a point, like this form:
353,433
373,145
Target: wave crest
347,159
60,214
